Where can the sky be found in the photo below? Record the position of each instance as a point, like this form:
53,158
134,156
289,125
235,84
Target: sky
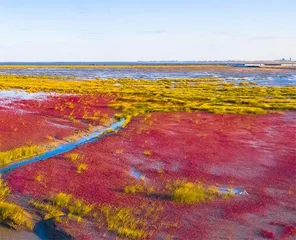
147,30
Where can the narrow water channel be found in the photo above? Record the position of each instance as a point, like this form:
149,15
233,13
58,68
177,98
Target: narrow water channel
65,147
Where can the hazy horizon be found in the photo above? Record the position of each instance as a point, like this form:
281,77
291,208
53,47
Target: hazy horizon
143,61
129,31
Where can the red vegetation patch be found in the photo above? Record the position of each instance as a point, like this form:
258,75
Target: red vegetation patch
268,234
70,106
289,231
24,122
24,128
255,153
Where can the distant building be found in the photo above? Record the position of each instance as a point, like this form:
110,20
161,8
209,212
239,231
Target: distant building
275,64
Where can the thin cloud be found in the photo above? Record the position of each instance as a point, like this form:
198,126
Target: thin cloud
272,38
265,38
230,34
160,31
96,33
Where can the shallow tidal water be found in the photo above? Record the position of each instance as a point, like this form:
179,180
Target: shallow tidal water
284,78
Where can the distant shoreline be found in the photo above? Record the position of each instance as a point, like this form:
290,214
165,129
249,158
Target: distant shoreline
226,66
127,63
263,65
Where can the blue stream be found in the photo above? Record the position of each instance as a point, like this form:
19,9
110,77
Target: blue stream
65,147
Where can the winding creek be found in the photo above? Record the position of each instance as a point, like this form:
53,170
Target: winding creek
65,147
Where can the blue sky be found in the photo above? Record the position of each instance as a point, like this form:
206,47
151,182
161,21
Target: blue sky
130,30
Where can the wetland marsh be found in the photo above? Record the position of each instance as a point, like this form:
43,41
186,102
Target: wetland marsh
149,152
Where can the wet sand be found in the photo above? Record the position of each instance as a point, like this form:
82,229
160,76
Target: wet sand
10,234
